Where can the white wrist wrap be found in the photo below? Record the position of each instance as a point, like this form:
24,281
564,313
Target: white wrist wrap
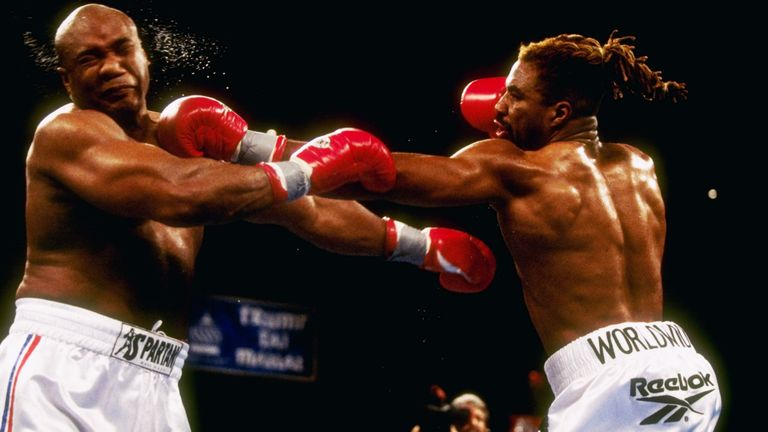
292,178
258,147
411,245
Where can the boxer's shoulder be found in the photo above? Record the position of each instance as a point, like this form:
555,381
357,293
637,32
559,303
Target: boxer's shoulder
70,120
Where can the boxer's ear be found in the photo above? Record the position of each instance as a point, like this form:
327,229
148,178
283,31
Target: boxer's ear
559,113
65,79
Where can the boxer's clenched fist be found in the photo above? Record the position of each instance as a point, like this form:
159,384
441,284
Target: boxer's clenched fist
478,102
200,126
329,161
464,262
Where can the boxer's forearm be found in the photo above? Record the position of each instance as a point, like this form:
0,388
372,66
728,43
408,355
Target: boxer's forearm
339,226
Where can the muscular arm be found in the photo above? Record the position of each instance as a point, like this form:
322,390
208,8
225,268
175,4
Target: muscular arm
483,172
90,155
467,177
339,226
427,180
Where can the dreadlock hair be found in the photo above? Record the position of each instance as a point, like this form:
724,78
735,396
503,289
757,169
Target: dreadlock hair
580,70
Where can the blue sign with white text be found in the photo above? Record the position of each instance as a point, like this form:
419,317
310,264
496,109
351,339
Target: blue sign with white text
247,336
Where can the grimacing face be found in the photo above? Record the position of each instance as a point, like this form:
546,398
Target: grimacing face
104,66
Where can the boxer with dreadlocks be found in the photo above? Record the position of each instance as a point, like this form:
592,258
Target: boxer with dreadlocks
585,223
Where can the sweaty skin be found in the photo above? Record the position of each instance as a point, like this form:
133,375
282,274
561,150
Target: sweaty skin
113,221
583,220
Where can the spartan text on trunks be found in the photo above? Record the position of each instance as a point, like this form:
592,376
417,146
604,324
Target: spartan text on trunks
149,350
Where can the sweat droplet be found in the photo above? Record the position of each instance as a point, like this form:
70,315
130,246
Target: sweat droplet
178,53
42,53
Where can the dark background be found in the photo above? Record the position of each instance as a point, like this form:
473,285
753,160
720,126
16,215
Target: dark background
387,331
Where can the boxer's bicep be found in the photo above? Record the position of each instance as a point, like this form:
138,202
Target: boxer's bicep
471,176
111,171
84,157
427,180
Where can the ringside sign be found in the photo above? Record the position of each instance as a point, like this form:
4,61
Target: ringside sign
252,337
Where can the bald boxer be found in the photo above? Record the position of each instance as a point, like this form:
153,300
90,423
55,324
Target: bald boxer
114,225
584,221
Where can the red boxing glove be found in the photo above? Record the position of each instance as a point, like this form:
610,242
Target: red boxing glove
345,156
478,102
196,126
329,161
466,264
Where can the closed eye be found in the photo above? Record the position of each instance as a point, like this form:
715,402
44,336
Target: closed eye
514,92
124,47
88,57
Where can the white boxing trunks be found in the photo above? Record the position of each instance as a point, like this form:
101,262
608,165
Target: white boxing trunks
632,377
64,368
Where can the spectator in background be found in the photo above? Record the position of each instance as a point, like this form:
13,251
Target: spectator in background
469,414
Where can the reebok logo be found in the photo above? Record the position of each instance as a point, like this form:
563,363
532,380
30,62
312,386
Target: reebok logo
650,392
149,350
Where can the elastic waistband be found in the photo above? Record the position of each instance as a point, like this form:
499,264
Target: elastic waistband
609,345
104,335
